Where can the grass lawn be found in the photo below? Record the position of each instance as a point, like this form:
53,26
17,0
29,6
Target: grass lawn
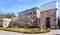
25,30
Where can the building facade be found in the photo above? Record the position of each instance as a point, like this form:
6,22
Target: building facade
5,22
49,19
33,13
49,15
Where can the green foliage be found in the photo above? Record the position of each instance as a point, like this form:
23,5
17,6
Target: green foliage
8,15
1,16
24,30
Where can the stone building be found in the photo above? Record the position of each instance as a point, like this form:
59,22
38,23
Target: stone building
46,17
33,13
49,18
49,15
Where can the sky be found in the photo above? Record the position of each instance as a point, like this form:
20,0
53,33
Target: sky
16,6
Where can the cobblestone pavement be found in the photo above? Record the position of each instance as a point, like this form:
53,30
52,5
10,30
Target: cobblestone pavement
53,32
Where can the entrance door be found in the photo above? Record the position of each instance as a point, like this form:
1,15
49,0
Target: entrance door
59,23
48,22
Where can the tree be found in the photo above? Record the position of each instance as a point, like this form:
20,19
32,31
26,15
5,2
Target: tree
24,20
8,15
13,15
1,17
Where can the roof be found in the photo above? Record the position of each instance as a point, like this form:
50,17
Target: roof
48,3
49,6
5,19
49,10
29,9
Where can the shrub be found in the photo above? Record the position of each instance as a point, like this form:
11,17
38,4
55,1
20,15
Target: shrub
25,30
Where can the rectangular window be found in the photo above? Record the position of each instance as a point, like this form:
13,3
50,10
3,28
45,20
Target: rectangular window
34,12
25,14
30,13
34,17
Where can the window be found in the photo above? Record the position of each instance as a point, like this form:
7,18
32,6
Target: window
30,13
33,17
5,24
34,12
47,22
25,14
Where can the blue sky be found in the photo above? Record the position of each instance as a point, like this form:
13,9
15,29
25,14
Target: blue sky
16,6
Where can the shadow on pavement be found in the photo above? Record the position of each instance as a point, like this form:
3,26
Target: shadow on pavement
57,34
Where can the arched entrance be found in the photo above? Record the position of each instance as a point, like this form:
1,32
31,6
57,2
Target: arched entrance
47,22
